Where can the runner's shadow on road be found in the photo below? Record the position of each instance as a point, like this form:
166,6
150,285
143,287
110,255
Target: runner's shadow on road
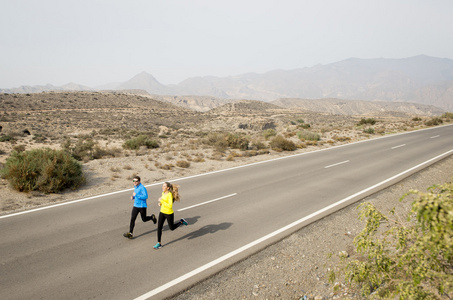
191,221
208,229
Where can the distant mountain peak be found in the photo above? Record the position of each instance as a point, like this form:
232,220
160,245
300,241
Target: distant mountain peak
145,81
145,76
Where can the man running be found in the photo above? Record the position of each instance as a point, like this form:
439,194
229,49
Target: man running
140,195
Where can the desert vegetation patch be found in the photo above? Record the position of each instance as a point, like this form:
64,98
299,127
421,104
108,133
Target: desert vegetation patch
167,140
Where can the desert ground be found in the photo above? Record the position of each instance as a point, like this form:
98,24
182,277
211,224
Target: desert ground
96,125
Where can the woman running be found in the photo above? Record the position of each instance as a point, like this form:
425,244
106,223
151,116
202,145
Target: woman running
169,195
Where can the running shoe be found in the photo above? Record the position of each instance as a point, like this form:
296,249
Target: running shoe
153,217
128,235
157,246
184,222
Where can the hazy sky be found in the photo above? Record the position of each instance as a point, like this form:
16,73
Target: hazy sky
101,41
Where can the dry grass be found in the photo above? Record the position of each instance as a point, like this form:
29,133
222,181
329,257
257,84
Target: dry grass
105,121
96,125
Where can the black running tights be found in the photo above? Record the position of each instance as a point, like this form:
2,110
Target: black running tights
134,214
170,221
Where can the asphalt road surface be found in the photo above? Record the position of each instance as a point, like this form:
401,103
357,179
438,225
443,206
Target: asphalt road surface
77,251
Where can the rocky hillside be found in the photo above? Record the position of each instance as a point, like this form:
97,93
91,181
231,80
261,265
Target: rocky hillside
61,113
356,107
247,107
330,106
197,103
420,79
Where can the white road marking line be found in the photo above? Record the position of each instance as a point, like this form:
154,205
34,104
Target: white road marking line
61,204
272,234
340,163
436,136
399,146
189,207
218,171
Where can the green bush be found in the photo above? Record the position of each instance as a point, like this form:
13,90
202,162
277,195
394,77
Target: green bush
369,130
364,121
308,136
268,133
302,124
88,149
410,259
221,141
447,115
237,141
44,170
279,143
217,140
99,152
6,138
434,122
141,140
83,149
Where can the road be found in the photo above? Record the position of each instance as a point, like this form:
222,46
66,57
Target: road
77,251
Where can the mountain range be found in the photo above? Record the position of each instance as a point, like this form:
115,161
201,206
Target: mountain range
420,79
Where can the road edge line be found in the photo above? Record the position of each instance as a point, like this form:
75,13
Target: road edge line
289,226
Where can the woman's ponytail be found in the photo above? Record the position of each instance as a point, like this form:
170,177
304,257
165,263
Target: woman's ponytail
175,193
174,190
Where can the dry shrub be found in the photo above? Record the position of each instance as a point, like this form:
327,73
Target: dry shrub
166,166
434,122
250,153
235,154
216,156
258,145
163,167
289,134
308,135
311,143
183,164
279,144
141,140
106,152
44,170
19,148
198,159
341,138
237,141
269,133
